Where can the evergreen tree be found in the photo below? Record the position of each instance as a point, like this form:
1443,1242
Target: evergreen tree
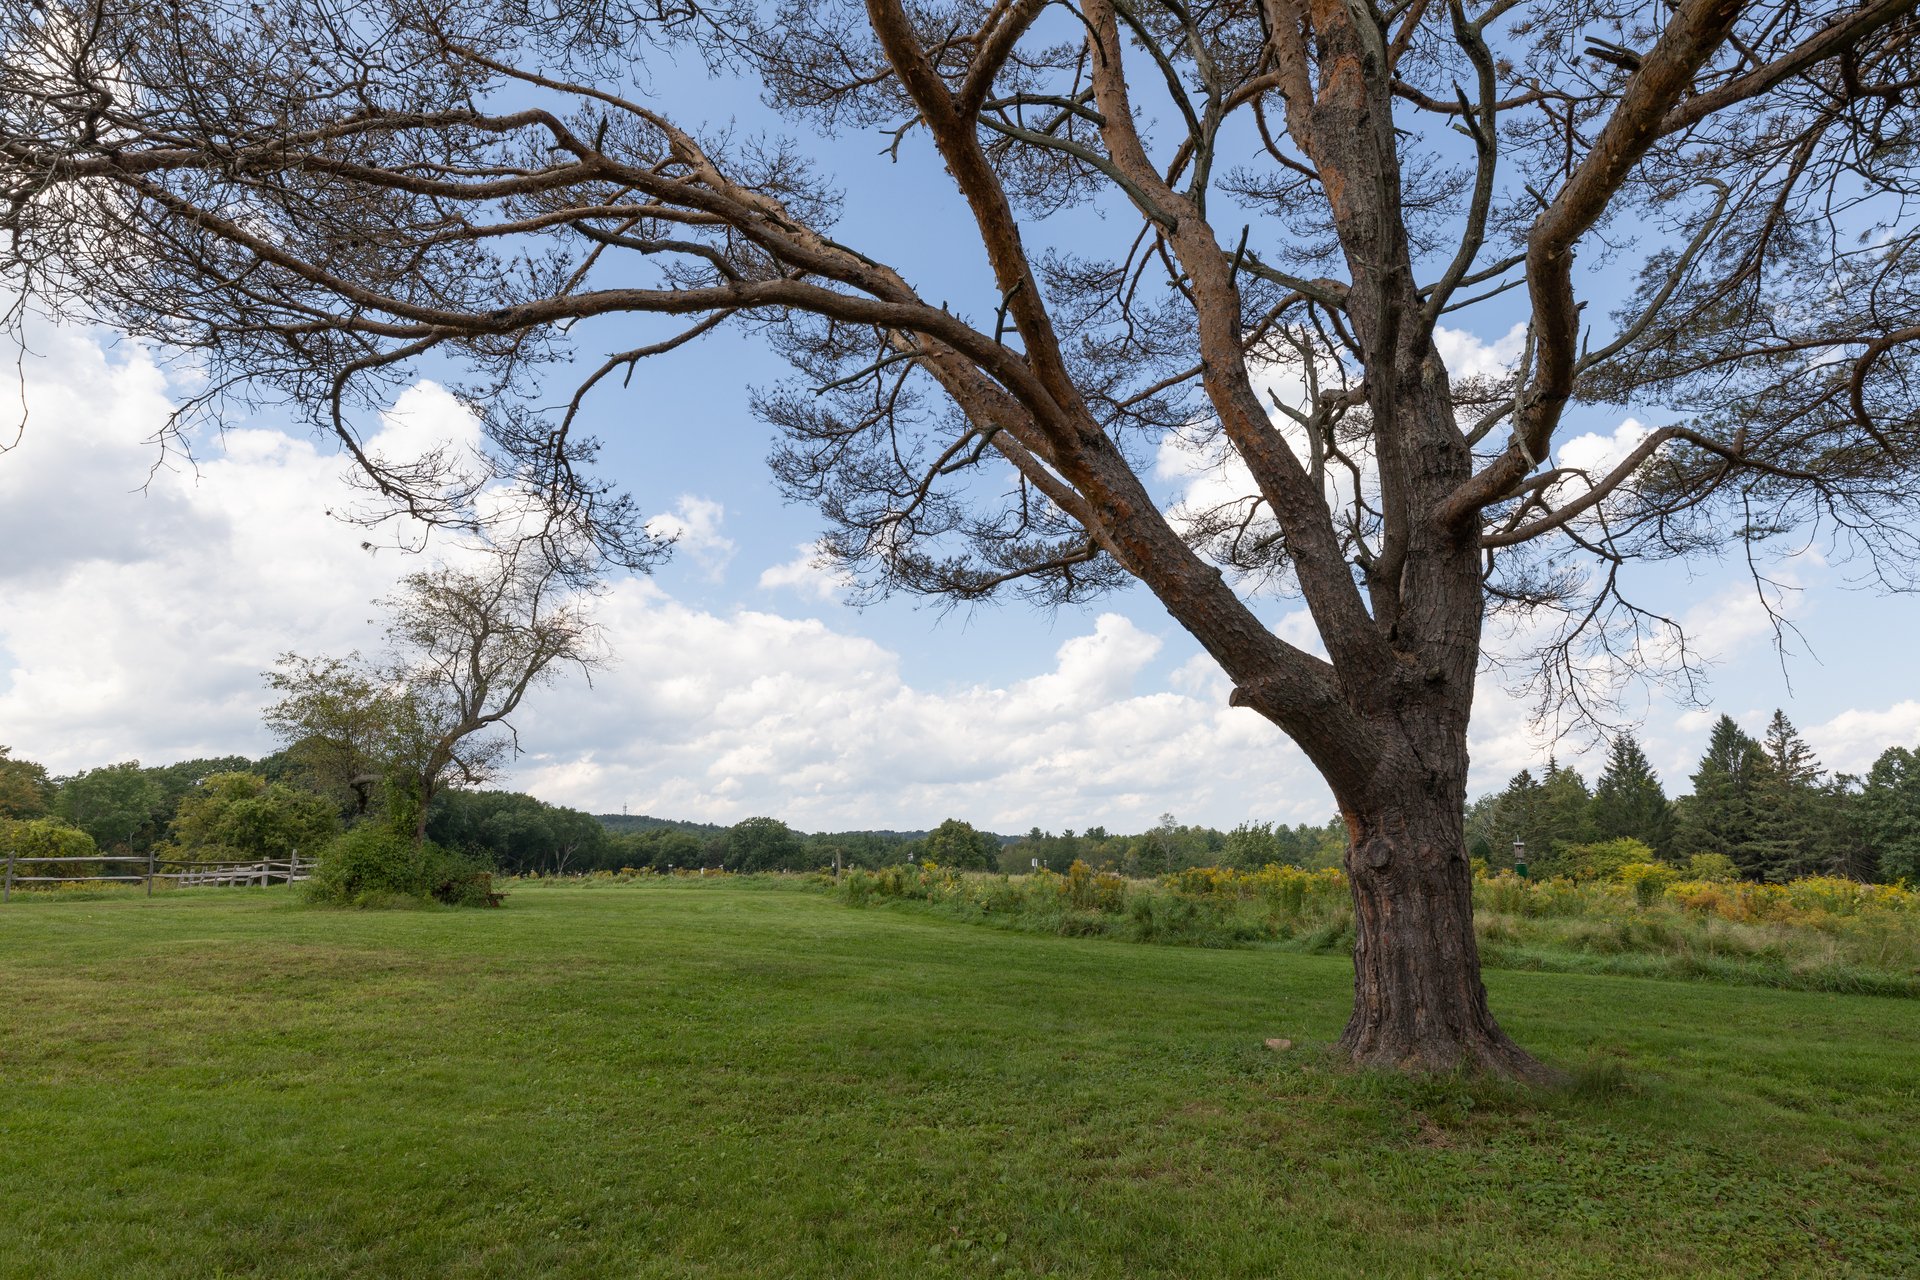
1719,816
1844,836
1482,829
1787,792
1628,801
1565,802
1516,816
1889,809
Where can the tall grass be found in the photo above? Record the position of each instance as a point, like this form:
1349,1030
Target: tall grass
1821,934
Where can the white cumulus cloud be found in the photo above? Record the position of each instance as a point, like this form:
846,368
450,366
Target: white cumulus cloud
1467,356
1851,741
142,602
724,716
807,573
694,526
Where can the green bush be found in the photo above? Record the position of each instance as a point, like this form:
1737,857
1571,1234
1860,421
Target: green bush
1604,860
1714,868
459,882
366,862
37,838
372,865
1648,880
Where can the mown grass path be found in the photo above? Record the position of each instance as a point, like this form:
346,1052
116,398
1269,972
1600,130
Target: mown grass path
734,1080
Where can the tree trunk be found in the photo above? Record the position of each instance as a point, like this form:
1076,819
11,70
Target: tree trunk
1418,1002
426,792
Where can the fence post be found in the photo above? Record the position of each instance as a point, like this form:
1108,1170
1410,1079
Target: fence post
149,873
7,895
293,867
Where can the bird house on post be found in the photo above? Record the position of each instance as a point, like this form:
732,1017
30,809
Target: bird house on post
1520,858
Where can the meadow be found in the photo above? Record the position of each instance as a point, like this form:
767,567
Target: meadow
678,1078
1822,933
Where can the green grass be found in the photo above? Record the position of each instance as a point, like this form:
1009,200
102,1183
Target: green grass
729,1079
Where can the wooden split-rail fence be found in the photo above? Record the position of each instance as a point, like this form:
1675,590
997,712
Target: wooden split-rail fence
290,870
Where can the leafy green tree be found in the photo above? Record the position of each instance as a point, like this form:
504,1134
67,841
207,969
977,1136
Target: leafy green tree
764,844
1321,846
1165,841
244,815
465,647
1482,828
1716,867
516,833
577,839
957,844
1889,807
1720,816
1628,800
1548,814
24,787
661,849
855,848
118,805
1017,858
1253,844
1843,840
335,716
177,779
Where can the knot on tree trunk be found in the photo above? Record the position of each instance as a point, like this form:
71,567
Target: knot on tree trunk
1419,1003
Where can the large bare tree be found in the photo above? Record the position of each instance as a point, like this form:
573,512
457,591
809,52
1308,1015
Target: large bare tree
310,196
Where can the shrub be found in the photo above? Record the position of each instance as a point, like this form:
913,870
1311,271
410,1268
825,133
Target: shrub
1715,868
367,861
459,883
371,865
1648,880
1604,860
1091,890
37,838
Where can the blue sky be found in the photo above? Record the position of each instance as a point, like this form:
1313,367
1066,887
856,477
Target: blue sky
134,622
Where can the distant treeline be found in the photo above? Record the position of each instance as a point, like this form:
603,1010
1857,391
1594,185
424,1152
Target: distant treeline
768,844
1767,805
222,807
236,807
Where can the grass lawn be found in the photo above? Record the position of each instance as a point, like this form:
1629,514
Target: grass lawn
726,1080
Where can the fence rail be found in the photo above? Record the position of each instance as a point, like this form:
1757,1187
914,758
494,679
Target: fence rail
190,872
